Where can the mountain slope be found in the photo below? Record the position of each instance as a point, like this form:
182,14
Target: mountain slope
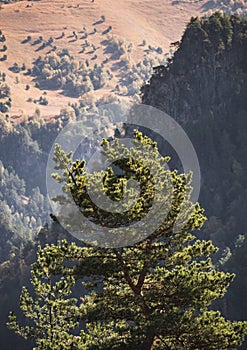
205,88
157,23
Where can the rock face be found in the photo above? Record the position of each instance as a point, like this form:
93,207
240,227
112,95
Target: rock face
207,75
204,87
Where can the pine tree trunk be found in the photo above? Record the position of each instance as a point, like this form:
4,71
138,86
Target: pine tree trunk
148,342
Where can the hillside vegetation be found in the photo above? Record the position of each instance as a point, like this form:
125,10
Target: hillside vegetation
110,49
204,88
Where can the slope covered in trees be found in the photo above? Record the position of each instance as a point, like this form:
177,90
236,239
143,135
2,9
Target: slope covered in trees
204,87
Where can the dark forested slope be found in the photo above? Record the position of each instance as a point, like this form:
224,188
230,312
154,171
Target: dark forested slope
204,87
207,75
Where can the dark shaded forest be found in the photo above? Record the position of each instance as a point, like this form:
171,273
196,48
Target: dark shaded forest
204,88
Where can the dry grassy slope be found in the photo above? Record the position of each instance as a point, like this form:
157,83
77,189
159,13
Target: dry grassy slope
158,22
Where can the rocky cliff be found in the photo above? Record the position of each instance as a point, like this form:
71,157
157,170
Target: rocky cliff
204,87
207,75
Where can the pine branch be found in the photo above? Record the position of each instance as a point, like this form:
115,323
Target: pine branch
146,266
126,272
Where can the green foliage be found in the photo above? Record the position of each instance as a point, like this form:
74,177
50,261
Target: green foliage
23,202
235,260
229,7
5,99
116,47
53,312
60,70
2,38
15,68
213,113
155,294
20,214
4,90
214,33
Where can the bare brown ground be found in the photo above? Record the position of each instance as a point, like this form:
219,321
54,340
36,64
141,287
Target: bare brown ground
158,22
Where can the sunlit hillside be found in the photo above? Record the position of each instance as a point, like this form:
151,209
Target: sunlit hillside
115,35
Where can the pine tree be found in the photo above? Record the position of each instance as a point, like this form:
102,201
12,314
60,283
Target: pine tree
52,312
154,294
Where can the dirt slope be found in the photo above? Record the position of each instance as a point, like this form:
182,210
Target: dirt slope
158,22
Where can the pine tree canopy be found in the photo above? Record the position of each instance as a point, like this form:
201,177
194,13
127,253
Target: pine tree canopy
154,294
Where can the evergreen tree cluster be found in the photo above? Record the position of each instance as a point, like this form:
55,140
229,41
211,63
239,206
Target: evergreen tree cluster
61,71
5,99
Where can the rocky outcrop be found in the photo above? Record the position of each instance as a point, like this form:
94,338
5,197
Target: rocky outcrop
207,75
204,87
